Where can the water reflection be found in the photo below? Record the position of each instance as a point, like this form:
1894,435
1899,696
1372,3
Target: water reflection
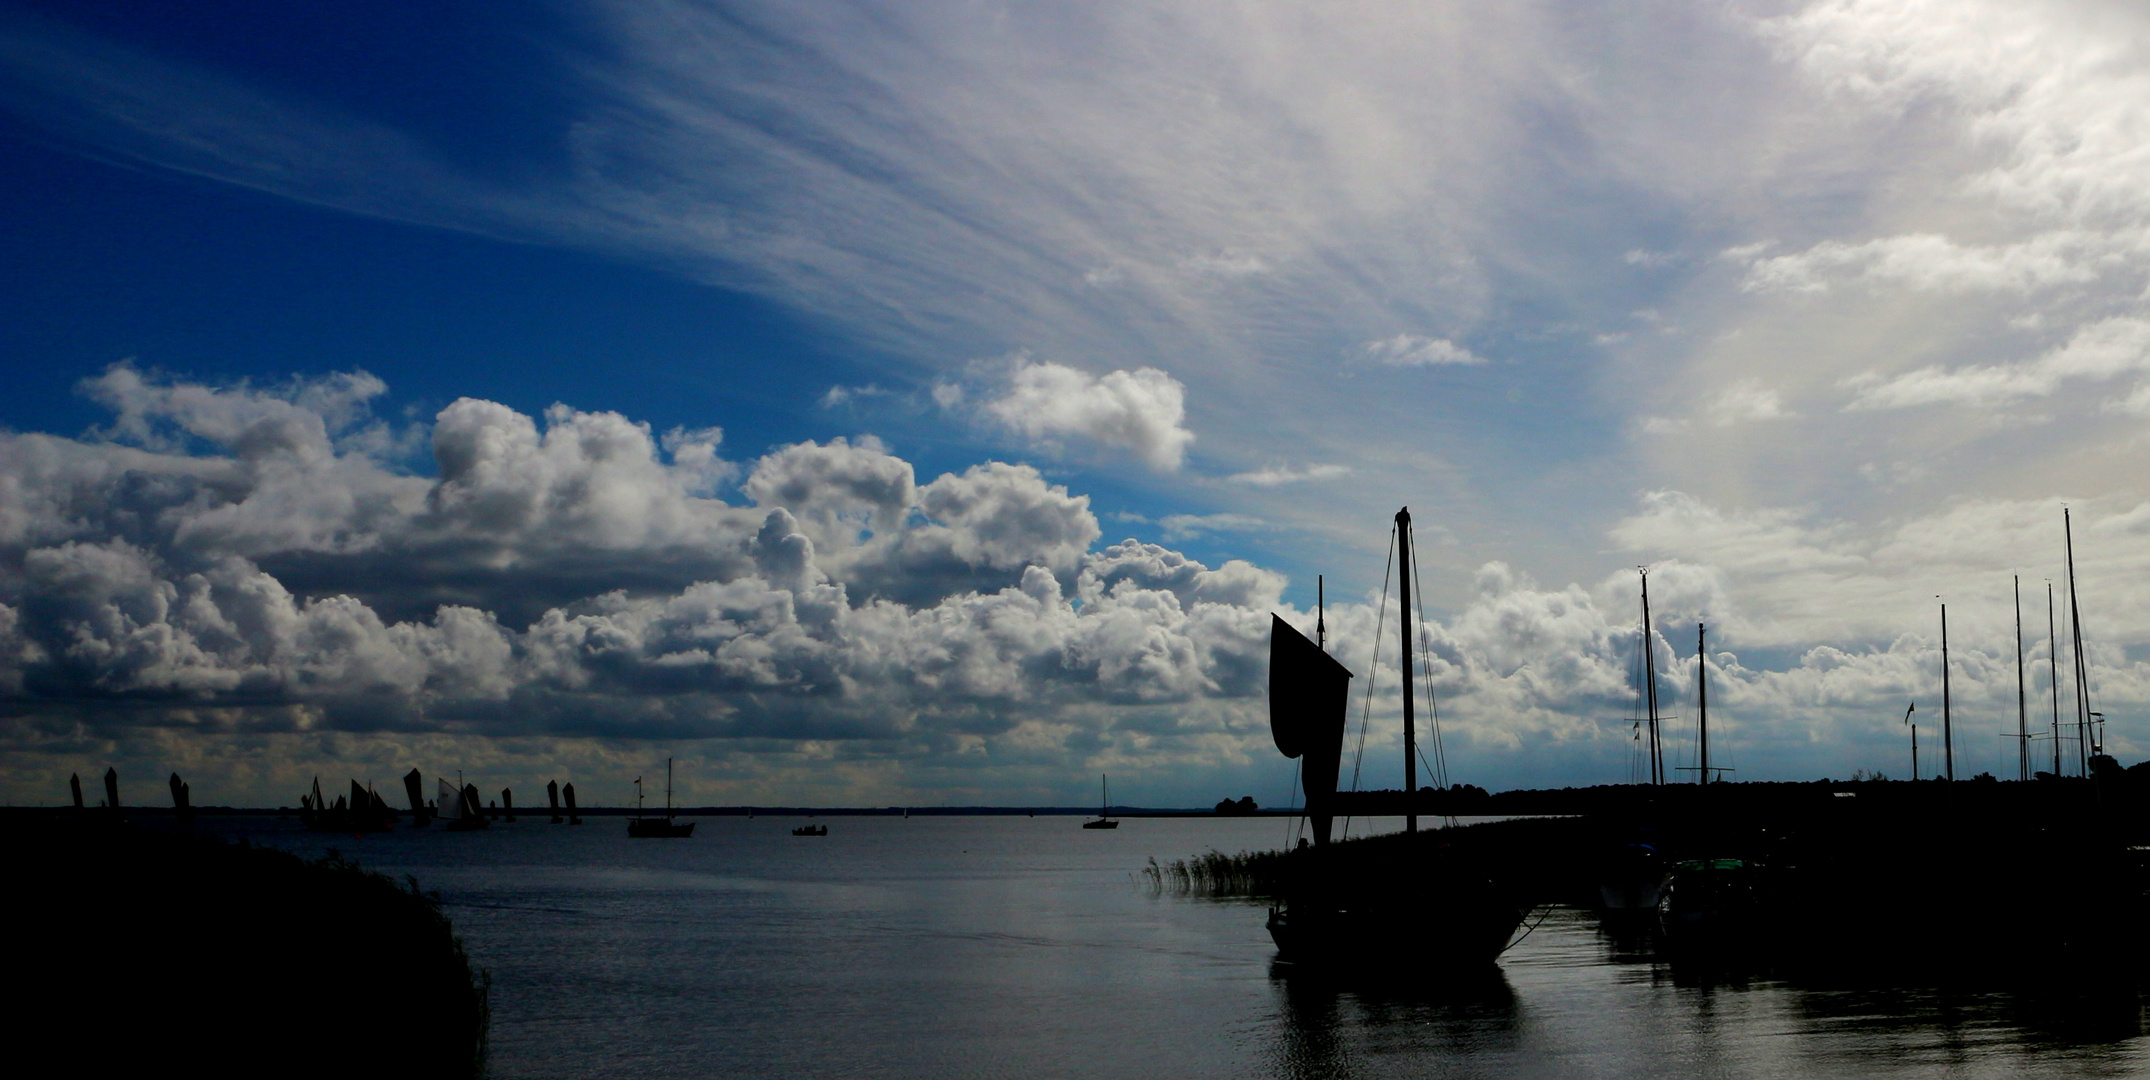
1587,999
1326,1019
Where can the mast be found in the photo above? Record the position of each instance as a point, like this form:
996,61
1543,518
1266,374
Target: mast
668,789
2052,673
1908,710
1321,617
1948,736
2082,669
1702,700
2023,713
1649,675
1403,629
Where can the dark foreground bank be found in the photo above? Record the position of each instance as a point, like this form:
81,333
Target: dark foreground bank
164,951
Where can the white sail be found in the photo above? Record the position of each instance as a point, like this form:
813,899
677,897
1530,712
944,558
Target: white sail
450,804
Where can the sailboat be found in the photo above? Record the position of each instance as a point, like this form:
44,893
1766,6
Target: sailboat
458,808
658,827
1104,802
1631,876
1713,906
1405,904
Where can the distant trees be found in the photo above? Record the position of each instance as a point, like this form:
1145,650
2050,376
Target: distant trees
1241,807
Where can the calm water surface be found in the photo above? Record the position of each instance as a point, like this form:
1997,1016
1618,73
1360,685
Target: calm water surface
1016,946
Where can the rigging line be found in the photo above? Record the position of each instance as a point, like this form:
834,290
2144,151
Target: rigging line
1373,665
1440,753
1641,703
1543,912
1297,822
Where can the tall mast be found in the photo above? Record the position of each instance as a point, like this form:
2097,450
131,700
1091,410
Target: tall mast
1702,700
2023,709
1649,677
1948,737
2052,673
2082,668
1403,628
668,789
1321,617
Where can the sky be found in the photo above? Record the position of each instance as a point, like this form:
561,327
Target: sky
930,403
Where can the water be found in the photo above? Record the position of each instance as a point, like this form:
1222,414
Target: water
1016,946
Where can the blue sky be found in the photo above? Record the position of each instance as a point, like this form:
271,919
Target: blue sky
1823,309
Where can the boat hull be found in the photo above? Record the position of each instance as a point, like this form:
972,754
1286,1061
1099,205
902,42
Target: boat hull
1101,824
659,829
1401,941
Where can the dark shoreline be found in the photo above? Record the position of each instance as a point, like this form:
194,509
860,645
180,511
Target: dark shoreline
165,951
1462,801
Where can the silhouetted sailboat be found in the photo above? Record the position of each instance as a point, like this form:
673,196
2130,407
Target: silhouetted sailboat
1104,803
658,827
1401,903
457,808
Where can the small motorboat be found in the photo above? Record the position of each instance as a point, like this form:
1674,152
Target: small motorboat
811,830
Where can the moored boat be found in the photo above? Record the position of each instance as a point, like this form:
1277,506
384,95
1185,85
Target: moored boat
658,828
1400,904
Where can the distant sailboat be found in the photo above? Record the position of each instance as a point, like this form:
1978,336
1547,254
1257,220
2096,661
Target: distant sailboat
1104,802
457,811
658,827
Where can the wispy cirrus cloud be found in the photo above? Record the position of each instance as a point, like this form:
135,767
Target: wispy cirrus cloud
1188,526
1415,350
1280,475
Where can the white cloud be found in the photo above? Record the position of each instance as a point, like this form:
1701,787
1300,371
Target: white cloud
1413,350
678,610
1142,411
2060,93
2104,350
1279,475
1745,402
1189,526
1938,264
844,395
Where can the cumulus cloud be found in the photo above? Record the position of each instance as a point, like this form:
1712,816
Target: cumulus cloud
845,605
1413,350
596,587
1142,411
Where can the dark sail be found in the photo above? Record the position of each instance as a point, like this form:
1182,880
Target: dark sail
1308,692
416,794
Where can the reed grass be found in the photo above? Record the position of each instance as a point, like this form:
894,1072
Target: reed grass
1258,874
